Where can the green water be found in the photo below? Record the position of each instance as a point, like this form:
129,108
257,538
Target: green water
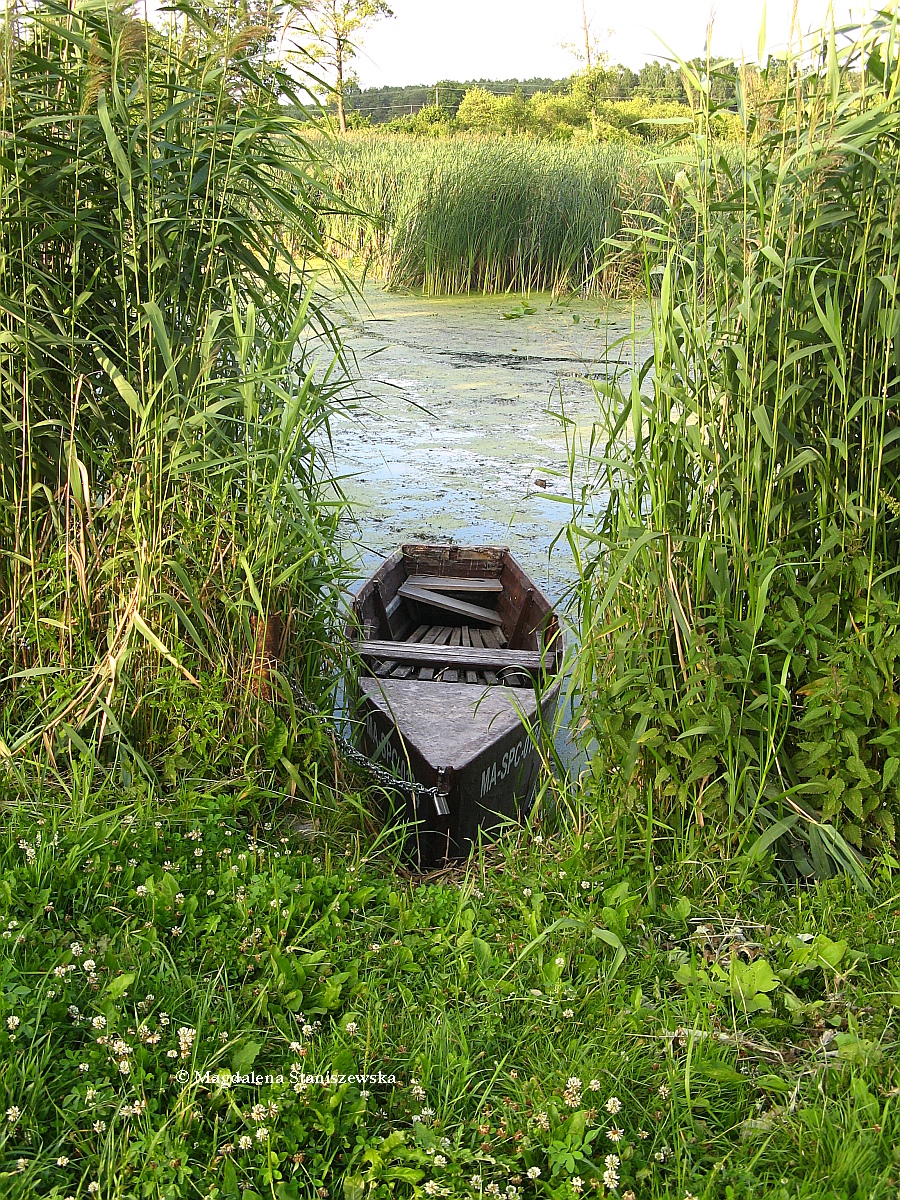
457,434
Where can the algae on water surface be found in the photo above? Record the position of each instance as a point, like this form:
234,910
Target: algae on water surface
457,433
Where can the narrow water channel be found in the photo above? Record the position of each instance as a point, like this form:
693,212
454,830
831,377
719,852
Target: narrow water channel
457,436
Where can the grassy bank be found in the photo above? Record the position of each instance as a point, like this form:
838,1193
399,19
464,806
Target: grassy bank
492,214
541,1024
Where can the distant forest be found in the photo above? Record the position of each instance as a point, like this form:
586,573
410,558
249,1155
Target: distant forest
654,81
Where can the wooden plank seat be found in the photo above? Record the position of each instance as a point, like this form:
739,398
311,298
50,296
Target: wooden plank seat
459,608
476,658
446,583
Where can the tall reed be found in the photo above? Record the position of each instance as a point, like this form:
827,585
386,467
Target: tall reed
474,214
164,508
739,591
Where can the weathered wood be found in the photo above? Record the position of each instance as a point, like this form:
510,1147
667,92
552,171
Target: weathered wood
436,634
460,608
447,583
518,633
404,671
479,659
450,674
471,676
477,636
384,621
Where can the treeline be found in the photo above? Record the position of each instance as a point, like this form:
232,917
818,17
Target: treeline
654,81
378,106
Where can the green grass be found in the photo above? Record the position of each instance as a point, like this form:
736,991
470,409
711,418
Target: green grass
491,214
485,996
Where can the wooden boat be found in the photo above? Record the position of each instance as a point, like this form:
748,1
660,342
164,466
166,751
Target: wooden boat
458,650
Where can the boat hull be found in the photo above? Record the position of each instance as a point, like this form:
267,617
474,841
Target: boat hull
482,787
459,654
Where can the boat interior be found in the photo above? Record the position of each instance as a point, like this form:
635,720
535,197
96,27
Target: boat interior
455,615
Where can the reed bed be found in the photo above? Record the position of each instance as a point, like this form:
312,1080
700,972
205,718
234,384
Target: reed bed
165,516
482,214
739,675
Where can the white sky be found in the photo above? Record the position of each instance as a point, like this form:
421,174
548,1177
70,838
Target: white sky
504,39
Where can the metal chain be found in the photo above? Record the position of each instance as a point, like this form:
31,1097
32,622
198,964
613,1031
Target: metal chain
384,777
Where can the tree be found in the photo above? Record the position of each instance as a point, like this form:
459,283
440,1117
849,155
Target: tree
328,29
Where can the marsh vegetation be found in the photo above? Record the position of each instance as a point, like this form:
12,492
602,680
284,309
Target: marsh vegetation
679,977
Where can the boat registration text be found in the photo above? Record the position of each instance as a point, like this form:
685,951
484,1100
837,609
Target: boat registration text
501,767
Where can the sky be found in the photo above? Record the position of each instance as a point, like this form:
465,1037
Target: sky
428,40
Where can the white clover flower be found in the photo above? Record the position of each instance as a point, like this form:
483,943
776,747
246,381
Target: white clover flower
585,883
615,1135
141,890
124,1067
89,965
258,1112
559,961
13,1114
262,1133
595,1085
76,949
440,1161
13,1022
577,1183
93,1187
295,1047
62,1161
664,1091
186,1037
83,1068
568,1012
533,1172
21,1163
432,1188
245,1142
352,1028
99,1126
171,1054
613,1105
527,892
98,1022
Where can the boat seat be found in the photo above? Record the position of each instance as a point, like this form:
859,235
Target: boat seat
434,654
459,608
